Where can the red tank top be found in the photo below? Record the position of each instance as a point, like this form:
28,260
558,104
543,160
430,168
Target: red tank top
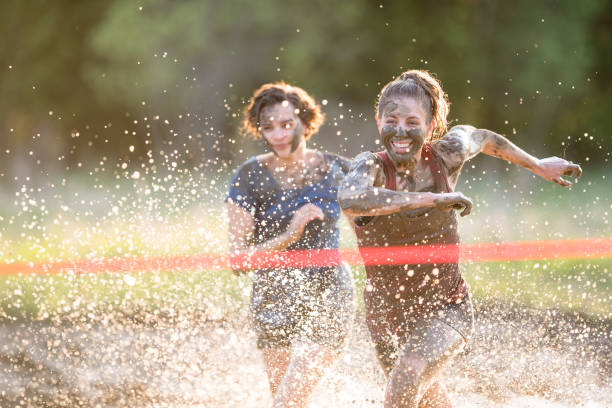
396,292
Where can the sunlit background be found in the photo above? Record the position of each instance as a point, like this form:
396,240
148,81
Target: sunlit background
119,130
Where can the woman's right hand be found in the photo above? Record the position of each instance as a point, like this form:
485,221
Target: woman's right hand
454,201
242,228
303,216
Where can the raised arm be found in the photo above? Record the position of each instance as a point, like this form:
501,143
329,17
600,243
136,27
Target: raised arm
362,192
464,142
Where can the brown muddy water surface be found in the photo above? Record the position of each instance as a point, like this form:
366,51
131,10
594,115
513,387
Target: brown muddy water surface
518,358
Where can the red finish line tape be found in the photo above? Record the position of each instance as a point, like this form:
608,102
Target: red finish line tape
487,252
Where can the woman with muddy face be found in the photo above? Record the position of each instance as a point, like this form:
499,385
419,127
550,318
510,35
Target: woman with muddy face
283,200
420,315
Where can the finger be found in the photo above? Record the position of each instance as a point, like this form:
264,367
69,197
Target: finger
315,207
307,215
318,213
307,207
467,210
314,210
573,169
315,215
307,212
562,182
312,207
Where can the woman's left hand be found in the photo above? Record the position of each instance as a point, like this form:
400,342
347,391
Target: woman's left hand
552,168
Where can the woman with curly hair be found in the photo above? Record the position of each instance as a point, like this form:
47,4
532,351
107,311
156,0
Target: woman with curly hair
286,200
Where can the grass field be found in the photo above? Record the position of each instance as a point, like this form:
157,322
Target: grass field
503,211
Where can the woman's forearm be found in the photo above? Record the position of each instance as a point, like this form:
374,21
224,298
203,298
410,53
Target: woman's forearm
277,243
497,145
241,254
373,201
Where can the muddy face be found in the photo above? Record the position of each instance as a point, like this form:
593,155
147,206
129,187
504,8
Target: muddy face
282,129
404,127
402,145
297,136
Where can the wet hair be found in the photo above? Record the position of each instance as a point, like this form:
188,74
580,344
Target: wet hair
424,87
277,92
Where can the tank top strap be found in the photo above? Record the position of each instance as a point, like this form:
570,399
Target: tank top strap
437,169
389,169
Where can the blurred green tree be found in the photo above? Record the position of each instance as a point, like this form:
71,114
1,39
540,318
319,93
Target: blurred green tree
93,78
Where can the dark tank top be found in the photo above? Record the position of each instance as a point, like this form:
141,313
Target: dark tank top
411,290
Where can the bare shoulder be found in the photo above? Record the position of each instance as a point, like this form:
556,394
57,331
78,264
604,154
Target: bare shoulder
453,147
366,167
335,159
265,158
455,140
366,161
365,157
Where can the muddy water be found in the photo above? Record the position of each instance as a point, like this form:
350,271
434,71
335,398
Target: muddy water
519,358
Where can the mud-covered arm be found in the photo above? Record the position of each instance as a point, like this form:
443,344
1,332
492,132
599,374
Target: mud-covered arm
464,142
361,192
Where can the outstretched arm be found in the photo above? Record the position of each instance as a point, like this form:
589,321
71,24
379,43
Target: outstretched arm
469,141
362,193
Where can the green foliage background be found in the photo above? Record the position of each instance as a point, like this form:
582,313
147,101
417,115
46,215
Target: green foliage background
539,72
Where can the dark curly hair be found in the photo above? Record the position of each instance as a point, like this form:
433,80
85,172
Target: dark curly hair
272,93
424,87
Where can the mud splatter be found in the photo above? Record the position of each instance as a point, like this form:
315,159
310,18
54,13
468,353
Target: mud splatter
519,358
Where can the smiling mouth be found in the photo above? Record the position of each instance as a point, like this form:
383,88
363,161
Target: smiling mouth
401,145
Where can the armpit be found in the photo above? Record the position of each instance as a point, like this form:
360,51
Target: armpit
375,169
345,163
363,173
453,148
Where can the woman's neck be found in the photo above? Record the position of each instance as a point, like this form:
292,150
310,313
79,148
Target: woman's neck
411,166
297,159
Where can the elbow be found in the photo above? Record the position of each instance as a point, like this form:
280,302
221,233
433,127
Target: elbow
349,204
350,211
345,201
